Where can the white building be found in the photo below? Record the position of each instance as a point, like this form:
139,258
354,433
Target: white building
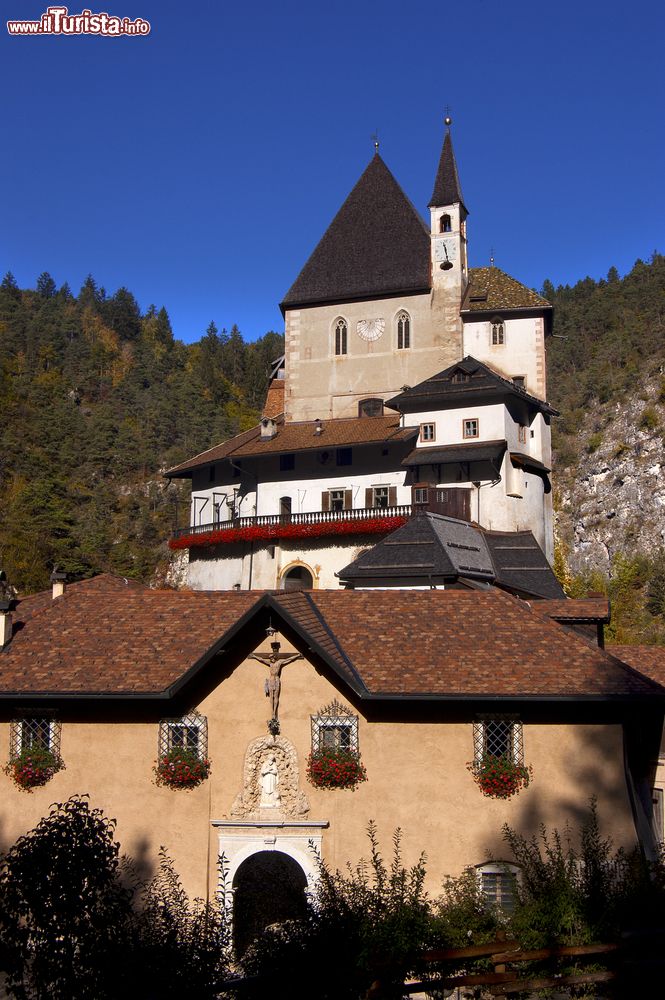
410,381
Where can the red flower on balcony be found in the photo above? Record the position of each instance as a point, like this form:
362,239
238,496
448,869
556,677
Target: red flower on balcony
274,532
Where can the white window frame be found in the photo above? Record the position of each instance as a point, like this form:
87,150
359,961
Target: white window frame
17,734
499,899
425,436
498,333
470,420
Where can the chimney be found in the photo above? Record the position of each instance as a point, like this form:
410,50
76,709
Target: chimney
58,580
5,623
268,428
318,426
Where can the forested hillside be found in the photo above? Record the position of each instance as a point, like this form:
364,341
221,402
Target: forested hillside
96,400
606,370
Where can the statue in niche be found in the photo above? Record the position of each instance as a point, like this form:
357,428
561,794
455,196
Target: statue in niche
270,797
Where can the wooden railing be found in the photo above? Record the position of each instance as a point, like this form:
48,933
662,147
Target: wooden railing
311,517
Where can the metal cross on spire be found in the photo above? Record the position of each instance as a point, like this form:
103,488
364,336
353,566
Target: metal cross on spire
375,139
448,120
492,252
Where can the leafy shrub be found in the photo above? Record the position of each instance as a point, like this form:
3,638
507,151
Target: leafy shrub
368,921
594,442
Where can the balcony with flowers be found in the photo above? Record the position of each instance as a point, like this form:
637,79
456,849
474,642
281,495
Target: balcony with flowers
272,528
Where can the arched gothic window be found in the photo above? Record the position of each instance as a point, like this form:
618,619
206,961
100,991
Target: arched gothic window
403,330
341,334
498,332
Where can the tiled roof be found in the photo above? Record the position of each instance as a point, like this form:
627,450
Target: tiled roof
417,644
274,404
491,289
456,643
446,389
302,436
115,642
649,660
520,564
435,547
376,245
447,188
27,607
581,609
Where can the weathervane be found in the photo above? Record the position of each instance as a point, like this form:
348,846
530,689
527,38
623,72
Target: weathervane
492,252
375,139
447,121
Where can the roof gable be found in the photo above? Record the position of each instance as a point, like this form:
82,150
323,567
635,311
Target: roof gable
376,245
443,644
460,384
492,290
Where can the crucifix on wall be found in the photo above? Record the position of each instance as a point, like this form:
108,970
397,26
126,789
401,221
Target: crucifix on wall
275,662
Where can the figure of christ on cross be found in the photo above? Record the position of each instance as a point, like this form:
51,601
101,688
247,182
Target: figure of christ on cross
274,661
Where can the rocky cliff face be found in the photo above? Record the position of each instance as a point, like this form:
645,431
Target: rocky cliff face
614,499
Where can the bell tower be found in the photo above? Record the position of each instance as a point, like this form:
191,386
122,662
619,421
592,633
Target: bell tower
450,268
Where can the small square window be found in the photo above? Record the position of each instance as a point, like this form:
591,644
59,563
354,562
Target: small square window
344,456
499,885
337,499
188,733
381,496
519,381
421,495
34,734
470,427
428,432
334,728
522,433
498,736
287,463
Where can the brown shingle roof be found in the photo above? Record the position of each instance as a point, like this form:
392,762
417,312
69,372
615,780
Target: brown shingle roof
581,609
377,244
491,289
454,643
416,644
649,660
110,641
302,436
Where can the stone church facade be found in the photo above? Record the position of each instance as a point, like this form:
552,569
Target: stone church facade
409,381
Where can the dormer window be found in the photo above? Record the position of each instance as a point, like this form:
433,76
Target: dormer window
445,224
341,336
498,332
370,407
460,377
403,331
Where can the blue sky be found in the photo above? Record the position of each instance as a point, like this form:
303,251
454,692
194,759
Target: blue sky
199,166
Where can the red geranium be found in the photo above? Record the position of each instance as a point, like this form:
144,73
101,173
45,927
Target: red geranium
181,769
33,767
289,529
335,769
500,777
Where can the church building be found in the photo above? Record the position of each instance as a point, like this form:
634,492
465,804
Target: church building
410,382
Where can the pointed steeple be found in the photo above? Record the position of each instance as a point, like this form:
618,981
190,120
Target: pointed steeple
447,188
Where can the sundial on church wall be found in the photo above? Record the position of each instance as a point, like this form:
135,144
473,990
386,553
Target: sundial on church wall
370,329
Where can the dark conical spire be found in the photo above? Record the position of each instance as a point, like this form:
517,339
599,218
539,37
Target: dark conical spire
447,188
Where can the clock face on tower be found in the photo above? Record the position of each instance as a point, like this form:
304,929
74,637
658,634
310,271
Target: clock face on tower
370,329
445,249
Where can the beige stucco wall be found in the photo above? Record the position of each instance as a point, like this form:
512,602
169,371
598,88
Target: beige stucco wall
417,780
319,384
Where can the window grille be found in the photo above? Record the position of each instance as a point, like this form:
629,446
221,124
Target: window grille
190,732
499,885
34,733
498,736
334,727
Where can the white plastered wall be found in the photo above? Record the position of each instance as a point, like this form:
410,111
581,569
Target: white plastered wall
522,353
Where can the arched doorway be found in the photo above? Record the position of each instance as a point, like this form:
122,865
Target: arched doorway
269,888
297,578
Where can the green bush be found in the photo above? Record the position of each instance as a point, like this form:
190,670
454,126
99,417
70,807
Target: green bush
649,420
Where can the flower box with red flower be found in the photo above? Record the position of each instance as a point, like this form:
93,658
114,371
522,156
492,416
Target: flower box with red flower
335,769
287,529
500,777
33,767
181,769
